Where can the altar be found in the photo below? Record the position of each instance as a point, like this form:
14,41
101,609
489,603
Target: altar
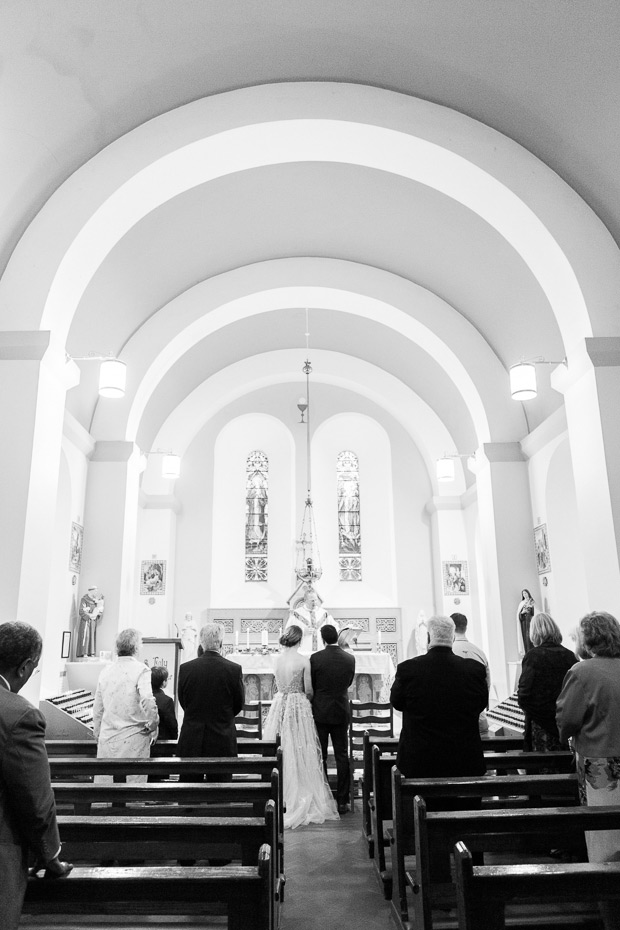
374,674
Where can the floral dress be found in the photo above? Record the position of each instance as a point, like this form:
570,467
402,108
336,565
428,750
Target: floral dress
307,796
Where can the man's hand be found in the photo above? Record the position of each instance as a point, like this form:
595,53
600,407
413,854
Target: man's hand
53,869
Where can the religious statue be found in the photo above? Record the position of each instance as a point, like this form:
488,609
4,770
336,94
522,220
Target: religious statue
90,612
309,616
525,612
189,635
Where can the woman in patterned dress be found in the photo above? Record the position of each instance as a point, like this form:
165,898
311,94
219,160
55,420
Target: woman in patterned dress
588,712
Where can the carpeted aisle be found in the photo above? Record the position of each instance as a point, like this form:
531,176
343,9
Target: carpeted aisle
330,880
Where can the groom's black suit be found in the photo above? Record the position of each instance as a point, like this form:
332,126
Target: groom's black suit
332,671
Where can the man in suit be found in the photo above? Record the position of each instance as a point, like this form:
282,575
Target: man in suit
441,696
332,670
27,809
211,694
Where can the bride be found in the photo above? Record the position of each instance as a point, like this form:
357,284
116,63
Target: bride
307,796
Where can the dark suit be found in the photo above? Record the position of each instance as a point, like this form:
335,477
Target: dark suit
27,808
441,696
168,726
211,694
332,671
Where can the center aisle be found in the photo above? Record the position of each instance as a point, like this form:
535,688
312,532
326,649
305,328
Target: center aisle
329,878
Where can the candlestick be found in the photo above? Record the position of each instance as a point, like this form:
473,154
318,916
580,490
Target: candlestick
378,637
264,636
247,639
237,639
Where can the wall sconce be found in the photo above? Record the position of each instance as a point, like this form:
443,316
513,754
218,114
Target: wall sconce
302,406
445,465
170,463
523,377
112,373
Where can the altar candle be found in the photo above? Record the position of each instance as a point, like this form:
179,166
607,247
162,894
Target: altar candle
247,639
264,637
378,637
237,639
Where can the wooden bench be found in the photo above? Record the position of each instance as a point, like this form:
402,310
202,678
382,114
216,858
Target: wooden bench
380,810
88,747
262,767
248,892
493,790
482,892
519,834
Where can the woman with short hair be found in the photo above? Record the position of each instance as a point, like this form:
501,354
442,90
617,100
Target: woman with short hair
542,674
125,714
588,713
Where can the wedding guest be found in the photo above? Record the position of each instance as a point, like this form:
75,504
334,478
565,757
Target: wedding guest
27,809
125,717
168,726
542,673
588,713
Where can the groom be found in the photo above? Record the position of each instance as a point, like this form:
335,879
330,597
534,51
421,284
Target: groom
332,673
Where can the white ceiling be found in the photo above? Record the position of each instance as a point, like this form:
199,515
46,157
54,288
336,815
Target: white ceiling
76,76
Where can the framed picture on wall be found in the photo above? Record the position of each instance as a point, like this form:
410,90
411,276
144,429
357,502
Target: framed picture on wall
541,544
455,578
153,577
75,550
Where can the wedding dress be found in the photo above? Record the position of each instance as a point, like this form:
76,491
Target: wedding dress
307,795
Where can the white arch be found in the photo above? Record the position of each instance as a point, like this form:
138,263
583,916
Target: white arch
147,180
281,367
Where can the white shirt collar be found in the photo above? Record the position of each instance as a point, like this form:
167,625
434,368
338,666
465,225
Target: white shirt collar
6,682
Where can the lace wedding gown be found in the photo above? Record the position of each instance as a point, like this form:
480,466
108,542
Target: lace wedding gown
307,795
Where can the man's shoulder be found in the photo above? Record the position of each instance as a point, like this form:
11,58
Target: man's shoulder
15,709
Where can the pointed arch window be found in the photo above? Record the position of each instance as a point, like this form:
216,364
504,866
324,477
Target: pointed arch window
349,527
256,516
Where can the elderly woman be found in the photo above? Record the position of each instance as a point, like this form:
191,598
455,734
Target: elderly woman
540,683
588,712
125,716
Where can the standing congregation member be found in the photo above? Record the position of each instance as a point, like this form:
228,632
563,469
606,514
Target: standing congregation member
332,671
211,694
307,797
27,808
125,717
542,673
466,650
588,713
441,697
168,726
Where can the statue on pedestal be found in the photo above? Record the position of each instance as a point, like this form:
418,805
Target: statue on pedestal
189,635
90,612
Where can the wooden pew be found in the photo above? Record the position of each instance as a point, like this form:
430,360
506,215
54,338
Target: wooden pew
247,891
262,767
164,748
380,811
495,790
517,833
482,892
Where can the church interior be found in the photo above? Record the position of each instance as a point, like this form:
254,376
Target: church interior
421,199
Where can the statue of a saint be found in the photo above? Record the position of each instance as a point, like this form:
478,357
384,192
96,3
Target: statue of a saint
189,635
310,616
90,612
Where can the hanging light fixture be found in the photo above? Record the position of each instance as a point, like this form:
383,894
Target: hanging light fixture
523,377
112,378
523,381
445,468
112,373
170,463
308,567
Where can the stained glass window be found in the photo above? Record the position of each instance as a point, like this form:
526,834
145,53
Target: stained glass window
256,516
349,533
